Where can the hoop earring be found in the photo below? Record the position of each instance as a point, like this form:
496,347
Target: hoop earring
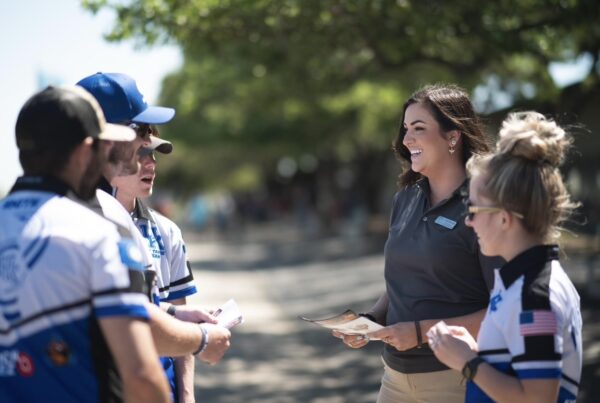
451,148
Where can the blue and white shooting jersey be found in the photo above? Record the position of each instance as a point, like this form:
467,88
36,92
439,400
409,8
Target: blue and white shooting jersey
62,268
532,328
174,274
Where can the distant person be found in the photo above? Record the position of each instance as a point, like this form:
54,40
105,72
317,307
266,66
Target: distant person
529,344
433,267
72,329
123,104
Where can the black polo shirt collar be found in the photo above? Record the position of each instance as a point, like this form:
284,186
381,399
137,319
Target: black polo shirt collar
41,183
532,261
423,184
141,211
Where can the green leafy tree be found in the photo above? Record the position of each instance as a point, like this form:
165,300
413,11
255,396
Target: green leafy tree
264,79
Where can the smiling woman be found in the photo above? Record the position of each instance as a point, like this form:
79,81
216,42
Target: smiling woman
433,268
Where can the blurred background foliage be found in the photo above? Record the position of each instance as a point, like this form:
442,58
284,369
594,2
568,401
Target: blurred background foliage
297,98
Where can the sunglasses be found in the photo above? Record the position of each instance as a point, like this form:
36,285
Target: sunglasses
144,151
141,129
472,210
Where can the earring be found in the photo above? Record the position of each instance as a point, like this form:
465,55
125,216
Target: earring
452,145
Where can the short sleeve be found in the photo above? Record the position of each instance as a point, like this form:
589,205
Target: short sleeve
112,295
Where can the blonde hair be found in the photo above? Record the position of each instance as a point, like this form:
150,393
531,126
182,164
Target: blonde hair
523,175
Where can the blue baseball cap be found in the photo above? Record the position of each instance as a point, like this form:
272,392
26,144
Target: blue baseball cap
121,101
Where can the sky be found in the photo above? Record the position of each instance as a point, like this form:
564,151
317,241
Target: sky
58,42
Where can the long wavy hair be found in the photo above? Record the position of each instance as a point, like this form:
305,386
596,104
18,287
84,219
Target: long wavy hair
452,109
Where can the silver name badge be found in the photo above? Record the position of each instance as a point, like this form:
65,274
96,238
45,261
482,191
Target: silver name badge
445,222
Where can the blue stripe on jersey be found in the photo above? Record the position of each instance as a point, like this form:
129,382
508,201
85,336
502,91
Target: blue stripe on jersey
565,396
31,246
136,311
539,373
53,365
181,293
39,252
8,301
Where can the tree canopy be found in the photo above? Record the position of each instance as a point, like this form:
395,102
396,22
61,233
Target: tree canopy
263,79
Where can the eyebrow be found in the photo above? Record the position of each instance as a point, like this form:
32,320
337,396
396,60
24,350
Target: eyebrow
415,122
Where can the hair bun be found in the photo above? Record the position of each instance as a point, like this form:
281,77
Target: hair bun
529,135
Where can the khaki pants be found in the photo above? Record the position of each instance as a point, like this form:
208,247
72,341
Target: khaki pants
427,387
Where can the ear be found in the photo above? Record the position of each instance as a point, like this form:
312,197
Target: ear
506,219
453,136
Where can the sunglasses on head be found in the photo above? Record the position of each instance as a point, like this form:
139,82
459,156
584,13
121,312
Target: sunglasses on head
472,210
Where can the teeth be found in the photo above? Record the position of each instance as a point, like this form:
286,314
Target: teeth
415,152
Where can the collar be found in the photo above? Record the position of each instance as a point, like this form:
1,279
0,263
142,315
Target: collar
533,260
41,183
141,211
461,191
104,184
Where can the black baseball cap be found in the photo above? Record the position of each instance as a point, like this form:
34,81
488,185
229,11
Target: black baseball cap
59,116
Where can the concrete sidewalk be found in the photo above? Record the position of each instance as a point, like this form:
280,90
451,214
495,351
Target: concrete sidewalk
275,275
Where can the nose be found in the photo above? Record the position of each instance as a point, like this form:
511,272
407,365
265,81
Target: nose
407,138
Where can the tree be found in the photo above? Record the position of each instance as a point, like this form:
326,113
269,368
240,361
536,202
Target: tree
268,78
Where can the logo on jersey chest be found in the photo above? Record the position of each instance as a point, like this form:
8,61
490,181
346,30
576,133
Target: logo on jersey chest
13,362
494,301
155,241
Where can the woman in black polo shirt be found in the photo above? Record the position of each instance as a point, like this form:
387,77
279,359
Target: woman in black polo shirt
433,268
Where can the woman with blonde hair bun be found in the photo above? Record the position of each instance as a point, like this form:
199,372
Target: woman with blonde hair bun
529,343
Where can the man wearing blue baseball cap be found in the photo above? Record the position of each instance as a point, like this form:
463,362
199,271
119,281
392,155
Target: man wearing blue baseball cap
122,103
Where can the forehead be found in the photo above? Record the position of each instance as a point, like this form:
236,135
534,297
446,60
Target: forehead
417,111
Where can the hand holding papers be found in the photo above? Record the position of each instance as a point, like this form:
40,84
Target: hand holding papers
348,322
229,315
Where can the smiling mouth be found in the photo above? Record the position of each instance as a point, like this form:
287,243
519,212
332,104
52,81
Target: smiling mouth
415,153
148,180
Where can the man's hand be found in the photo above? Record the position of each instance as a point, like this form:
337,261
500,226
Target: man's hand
218,343
194,313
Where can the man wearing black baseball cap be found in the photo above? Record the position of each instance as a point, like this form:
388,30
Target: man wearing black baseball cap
71,327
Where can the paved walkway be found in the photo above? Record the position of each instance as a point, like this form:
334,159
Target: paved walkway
276,275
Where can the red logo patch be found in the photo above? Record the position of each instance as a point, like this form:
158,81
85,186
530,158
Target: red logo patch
25,365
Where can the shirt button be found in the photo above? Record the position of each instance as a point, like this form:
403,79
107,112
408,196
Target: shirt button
424,218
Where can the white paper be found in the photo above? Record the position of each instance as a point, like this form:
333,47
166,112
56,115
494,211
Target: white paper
348,322
229,314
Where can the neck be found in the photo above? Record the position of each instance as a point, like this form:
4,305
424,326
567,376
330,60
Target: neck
126,200
110,171
517,244
445,182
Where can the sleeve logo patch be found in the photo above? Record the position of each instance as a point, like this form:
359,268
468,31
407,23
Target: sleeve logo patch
537,323
130,254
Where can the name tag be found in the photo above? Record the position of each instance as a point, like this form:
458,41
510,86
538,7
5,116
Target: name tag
445,222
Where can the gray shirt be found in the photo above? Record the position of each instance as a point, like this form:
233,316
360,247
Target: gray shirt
433,268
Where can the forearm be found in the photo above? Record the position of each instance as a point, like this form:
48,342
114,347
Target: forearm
471,322
505,388
184,370
172,337
379,310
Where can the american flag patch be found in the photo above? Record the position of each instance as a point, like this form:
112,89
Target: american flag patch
537,323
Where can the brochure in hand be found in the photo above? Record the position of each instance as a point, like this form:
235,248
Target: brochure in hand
348,322
229,314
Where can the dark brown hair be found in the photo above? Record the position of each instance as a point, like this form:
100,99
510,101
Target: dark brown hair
452,109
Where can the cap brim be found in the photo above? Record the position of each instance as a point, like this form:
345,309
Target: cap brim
155,115
117,133
160,145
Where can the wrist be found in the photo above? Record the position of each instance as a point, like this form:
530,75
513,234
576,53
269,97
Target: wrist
419,334
171,310
470,368
204,342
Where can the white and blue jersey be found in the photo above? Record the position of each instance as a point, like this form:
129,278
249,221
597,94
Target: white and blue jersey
62,268
174,274
532,328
